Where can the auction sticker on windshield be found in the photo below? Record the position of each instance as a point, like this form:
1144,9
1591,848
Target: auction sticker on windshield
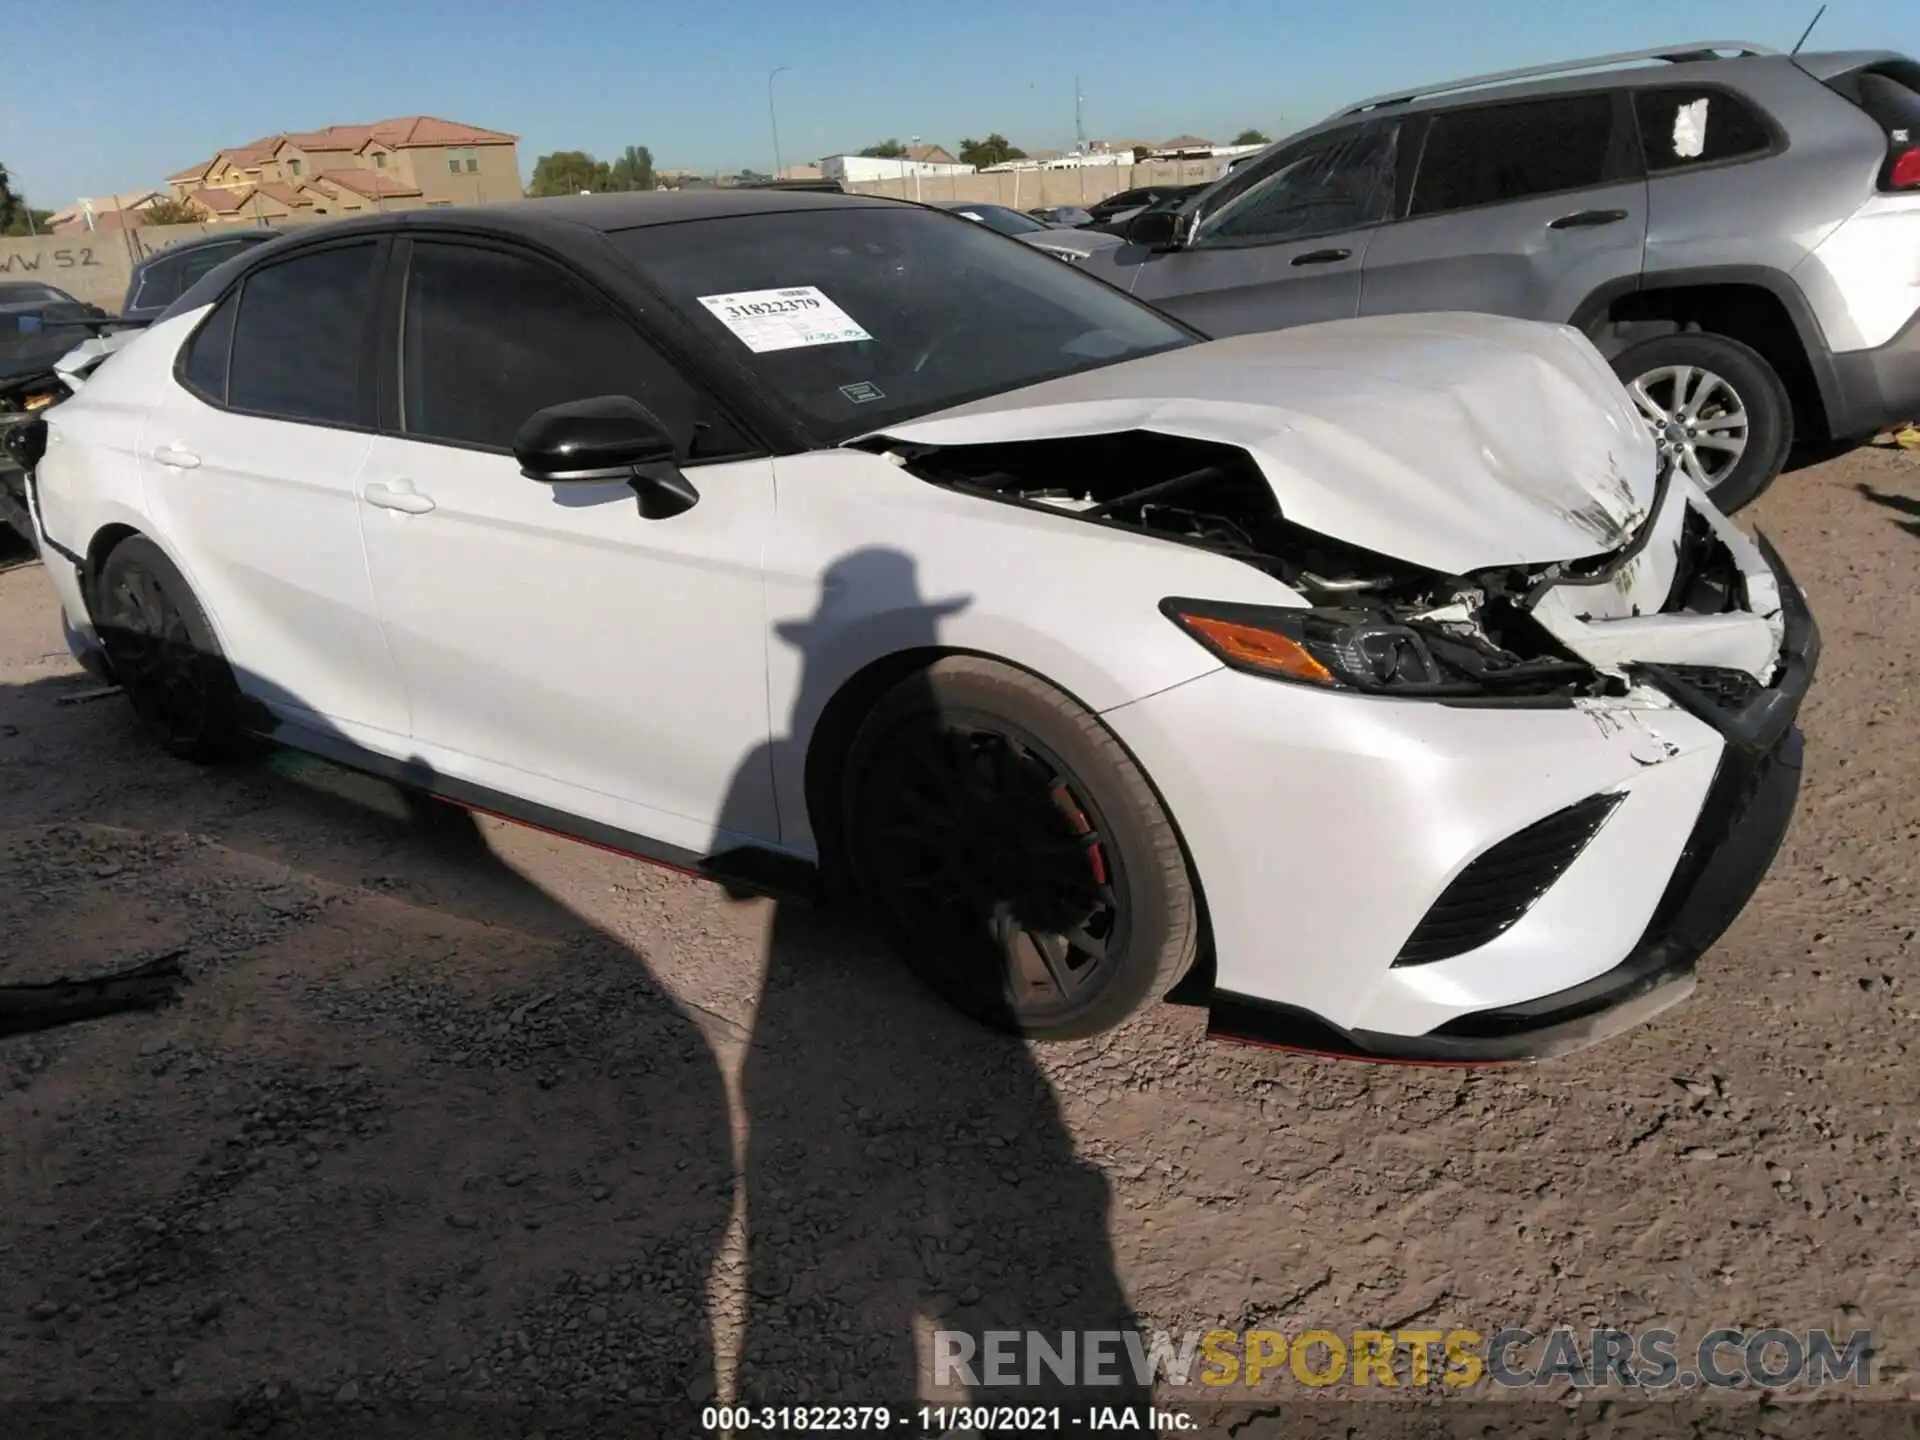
765,320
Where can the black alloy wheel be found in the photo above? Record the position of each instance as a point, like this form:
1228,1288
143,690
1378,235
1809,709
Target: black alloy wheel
1029,877
163,653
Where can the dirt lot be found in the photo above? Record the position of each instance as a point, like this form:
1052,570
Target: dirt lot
455,1108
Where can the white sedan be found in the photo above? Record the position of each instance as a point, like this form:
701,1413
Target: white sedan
1366,677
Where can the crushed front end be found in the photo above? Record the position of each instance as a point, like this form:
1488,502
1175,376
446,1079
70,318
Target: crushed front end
1534,858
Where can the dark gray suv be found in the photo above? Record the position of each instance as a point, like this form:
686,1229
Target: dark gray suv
1736,230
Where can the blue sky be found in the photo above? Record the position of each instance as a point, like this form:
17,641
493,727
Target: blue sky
159,86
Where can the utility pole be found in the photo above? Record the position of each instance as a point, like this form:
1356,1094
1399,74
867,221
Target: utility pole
773,120
1079,129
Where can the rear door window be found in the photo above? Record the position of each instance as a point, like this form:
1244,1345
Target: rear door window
1681,128
299,342
159,285
203,364
200,261
1501,153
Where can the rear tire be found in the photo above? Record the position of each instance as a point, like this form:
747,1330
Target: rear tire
1691,390
1022,864
164,654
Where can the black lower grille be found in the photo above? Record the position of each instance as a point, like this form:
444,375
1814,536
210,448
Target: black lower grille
1727,688
1504,882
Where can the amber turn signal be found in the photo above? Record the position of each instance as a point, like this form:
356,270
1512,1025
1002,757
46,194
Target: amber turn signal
1259,649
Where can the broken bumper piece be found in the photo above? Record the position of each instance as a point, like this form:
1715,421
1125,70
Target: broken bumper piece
1733,842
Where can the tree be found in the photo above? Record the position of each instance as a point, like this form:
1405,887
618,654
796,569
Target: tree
633,170
171,212
568,172
1251,137
996,149
16,216
885,150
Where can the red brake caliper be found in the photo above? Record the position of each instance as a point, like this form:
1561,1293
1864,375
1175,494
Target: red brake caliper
1076,817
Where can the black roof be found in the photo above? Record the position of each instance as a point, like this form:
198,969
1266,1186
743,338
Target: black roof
632,210
245,234
551,221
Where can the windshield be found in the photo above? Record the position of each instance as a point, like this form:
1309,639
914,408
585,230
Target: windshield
861,317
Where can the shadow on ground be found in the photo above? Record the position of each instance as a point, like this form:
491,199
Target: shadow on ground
421,1131
1904,505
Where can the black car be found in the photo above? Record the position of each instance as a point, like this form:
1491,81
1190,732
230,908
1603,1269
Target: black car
39,324
164,276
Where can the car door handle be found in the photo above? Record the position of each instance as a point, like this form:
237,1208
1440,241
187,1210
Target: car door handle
174,458
1322,257
1583,218
397,495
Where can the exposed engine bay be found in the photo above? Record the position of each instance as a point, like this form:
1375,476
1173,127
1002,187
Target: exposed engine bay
1425,633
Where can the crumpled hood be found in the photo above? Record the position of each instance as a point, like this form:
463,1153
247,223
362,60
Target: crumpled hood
1453,441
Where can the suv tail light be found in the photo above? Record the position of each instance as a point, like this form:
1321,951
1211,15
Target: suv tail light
1903,170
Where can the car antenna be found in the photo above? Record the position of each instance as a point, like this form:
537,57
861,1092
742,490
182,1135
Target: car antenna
1806,32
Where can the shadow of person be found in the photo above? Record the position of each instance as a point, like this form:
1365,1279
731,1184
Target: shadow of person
1899,504
911,1184
467,1147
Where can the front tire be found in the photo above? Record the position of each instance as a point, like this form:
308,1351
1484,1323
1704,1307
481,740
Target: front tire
1024,867
164,654
1716,409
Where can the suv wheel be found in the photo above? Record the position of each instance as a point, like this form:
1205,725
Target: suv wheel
1715,408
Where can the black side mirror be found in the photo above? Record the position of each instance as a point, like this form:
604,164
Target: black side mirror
1157,229
601,439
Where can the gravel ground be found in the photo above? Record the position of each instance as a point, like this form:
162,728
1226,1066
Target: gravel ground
457,1109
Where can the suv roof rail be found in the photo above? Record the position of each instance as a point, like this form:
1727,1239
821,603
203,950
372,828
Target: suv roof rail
1672,54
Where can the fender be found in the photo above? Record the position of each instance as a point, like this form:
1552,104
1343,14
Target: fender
1813,341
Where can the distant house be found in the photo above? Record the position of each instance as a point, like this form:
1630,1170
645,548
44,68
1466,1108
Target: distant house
402,164
105,212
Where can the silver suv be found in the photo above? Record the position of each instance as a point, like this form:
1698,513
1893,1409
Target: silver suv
1737,230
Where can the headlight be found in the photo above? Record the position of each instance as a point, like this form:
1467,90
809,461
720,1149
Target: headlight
1332,648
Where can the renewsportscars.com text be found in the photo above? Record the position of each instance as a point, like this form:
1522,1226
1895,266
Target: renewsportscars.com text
1512,1358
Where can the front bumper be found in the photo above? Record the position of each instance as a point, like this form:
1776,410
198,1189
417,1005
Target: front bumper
1701,815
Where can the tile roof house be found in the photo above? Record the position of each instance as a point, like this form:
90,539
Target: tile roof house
400,164
110,212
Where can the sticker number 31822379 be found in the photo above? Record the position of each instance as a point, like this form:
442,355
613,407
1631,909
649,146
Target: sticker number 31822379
766,320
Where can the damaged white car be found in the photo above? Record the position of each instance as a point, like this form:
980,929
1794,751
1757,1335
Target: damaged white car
1363,681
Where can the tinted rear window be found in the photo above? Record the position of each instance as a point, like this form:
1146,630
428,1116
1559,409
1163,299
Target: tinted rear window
299,342
1511,152
203,366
